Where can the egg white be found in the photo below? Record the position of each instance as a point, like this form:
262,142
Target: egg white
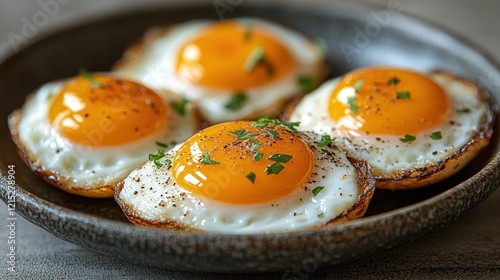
152,195
153,62
84,166
387,153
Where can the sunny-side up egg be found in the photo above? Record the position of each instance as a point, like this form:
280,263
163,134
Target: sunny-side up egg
86,133
232,69
247,177
413,129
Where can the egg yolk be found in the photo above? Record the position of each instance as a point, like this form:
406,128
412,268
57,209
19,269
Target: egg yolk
233,56
239,163
99,110
388,101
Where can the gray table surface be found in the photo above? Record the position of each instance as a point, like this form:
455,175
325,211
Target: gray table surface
466,249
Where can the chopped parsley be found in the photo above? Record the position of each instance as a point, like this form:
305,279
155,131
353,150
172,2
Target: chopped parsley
358,86
280,158
236,102
247,35
207,161
325,141
247,135
275,168
162,145
316,190
90,78
437,135
408,138
403,95
273,132
264,121
258,156
354,109
321,215
257,56
50,95
251,176
180,106
255,146
463,110
393,81
238,132
155,158
259,125
306,83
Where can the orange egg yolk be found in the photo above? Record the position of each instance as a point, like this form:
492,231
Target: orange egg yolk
388,101
233,56
239,163
99,110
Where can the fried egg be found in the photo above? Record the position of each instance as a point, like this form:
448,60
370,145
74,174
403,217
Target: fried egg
247,177
86,133
232,69
413,129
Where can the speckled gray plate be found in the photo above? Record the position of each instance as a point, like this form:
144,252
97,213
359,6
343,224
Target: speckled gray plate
356,37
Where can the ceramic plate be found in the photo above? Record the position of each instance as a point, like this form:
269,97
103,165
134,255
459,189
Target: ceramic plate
357,36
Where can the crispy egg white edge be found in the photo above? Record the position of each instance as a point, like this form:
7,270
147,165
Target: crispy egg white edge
154,65
153,195
387,152
85,166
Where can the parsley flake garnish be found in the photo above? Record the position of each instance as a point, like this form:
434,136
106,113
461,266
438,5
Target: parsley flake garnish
159,154
463,110
180,106
325,140
255,146
50,95
238,131
408,138
437,135
258,56
354,109
244,136
306,83
162,145
280,158
393,81
90,78
403,95
251,176
207,161
273,132
236,102
259,125
358,86
275,168
258,156
247,35
264,121
321,215
316,190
